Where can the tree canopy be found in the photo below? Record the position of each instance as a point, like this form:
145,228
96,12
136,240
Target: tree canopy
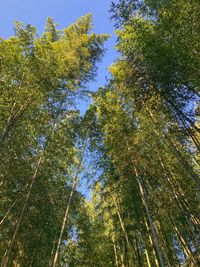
137,145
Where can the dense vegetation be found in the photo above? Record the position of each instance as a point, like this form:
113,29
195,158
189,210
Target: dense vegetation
137,145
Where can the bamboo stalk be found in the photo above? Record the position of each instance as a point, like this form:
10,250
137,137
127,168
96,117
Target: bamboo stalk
33,178
75,180
153,230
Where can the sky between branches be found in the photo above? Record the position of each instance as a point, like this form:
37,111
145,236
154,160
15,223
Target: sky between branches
64,13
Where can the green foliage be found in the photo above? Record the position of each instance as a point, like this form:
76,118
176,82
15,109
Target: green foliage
41,79
137,144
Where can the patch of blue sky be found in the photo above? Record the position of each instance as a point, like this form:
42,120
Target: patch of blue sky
64,12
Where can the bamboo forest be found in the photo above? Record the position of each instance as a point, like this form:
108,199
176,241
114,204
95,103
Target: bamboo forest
118,184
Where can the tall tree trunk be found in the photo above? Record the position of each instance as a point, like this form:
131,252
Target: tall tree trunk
115,252
172,258
122,260
138,252
11,207
52,252
147,257
121,220
177,192
181,115
123,226
176,152
18,223
185,164
14,118
186,250
36,249
149,234
75,180
153,230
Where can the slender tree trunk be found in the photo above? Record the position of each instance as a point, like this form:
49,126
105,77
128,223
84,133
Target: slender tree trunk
187,251
151,243
18,223
172,258
9,210
185,164
52,252
14,118
182,116
176,152
183,243
194,217
122,224
122,260
75,180
177,192
36,249
121,220
154,234
190,134
115,252
64,223
147,257
138,252
8,120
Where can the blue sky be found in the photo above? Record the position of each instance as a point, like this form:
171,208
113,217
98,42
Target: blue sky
64,13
